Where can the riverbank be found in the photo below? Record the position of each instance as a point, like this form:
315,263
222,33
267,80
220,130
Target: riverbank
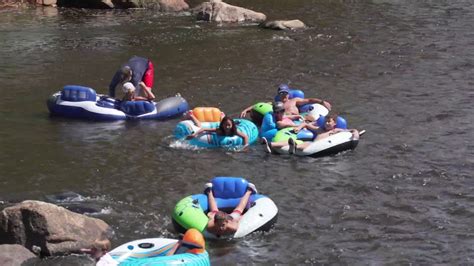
162,5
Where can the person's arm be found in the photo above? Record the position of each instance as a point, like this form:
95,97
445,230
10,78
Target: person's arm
299,127
201,130
311,126
139,98
147,90
173,250
294,117
113,83
355,133
244,137
300,102
195,120
245,111
284,124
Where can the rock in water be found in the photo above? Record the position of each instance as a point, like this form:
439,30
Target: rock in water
219,11
12,255
283,24
55,230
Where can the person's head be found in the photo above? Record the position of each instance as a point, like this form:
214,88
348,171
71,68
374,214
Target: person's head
278,110
227,126
309,119
283,92
129,90
125,74
221,220
195,237
330,122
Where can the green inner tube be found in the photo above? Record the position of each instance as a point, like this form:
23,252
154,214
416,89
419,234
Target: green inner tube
190,215
263,108
285,134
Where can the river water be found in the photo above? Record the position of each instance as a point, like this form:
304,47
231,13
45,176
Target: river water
402,70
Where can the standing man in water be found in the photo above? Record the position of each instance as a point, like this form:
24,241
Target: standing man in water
138,71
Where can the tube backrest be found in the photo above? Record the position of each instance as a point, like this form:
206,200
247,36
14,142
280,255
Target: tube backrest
75,93
137,107
229,187
208,114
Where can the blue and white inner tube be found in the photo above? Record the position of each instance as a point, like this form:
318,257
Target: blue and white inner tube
260,214
152,251
82,102
330,145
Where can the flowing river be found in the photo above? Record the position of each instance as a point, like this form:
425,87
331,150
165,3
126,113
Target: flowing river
402,70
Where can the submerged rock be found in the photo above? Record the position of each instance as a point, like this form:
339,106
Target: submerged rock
12,255
49,229
283,24
219,11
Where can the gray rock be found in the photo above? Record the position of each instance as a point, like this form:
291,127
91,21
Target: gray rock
13,255
219,11
173,5
283,24
55,230
46,2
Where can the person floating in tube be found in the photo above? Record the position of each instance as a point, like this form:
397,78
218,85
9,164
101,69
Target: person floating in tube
291,105
226,127
135,79
221,223
327,130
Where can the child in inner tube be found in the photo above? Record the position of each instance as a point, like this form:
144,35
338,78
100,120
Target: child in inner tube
320,133
131,92
221,223
226,127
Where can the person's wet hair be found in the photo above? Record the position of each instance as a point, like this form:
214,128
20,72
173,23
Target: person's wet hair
221,216
223,131
332,116
126,73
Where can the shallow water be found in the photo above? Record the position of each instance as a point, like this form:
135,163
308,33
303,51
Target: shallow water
402,70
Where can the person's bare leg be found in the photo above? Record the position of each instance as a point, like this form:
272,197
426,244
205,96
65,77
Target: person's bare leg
212,202
279,144
243,201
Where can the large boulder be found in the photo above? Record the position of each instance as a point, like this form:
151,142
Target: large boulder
218,11
173,5
44,2
283,24
13,255
49,229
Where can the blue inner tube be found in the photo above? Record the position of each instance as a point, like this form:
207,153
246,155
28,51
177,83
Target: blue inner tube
82,102
211,139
